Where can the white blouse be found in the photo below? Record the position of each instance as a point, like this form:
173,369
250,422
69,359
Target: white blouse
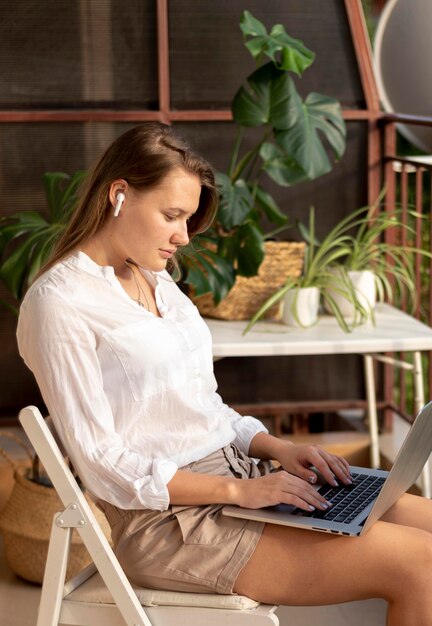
133,396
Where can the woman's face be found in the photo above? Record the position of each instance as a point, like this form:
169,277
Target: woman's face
153,224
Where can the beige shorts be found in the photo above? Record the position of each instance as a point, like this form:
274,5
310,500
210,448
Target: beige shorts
188,548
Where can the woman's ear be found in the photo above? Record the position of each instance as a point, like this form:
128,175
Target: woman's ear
117,195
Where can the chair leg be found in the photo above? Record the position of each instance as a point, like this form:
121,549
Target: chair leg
54,575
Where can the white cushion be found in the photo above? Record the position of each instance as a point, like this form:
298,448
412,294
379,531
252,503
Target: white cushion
94,590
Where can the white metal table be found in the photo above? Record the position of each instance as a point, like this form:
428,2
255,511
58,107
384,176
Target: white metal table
394,331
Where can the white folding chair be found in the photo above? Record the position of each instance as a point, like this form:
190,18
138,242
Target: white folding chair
101,593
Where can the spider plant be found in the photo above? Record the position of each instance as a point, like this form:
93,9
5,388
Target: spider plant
320,258
391,263
356,243
27,237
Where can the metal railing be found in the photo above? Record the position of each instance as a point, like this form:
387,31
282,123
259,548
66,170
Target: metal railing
408,186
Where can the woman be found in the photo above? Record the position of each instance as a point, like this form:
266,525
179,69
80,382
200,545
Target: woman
125,367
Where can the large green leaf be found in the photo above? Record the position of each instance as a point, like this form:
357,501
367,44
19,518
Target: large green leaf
235,202
19,224
206,270
216,274
280,166
266,202
286,52
250,250
52,183
197,278
14,269
271,98
228,248
60,190
303,141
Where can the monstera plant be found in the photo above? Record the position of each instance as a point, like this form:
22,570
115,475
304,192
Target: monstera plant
297,136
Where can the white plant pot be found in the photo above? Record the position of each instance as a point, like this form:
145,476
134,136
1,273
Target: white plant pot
365,289
303,303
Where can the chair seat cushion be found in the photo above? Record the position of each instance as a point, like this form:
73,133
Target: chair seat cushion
94,590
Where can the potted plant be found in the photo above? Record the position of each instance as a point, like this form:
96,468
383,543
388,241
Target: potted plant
353,257
301,294
374,268
290,149
26,238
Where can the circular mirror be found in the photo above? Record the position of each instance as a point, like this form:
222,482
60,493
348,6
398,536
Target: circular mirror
403,64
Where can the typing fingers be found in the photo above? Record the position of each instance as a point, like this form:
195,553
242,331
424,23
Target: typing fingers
298,492
333,467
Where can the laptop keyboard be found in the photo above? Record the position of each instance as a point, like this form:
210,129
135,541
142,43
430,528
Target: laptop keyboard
348,500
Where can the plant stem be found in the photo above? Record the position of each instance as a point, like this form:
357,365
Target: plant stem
252,154
256,155
234,156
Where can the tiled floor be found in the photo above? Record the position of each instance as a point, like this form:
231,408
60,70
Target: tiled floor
19,600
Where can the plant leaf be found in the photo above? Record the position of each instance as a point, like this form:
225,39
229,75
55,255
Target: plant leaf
270,98
271,301
69,198
250,250
286,52
16,225
14,269
266,202
218,284
235,201
196,277
280,166
60,190
52,182
303,141
207,271
251,26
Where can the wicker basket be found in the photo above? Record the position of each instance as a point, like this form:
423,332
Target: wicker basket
282,259
25,523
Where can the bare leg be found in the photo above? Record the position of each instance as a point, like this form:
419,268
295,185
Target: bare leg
413,511
391,561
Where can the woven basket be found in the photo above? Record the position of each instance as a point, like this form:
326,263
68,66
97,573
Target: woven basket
282,259
26,520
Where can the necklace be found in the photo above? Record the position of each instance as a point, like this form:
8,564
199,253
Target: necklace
140,290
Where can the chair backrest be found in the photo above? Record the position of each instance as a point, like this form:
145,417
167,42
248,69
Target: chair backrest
76,505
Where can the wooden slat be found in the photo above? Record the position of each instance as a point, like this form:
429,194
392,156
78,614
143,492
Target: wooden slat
360,39
163,60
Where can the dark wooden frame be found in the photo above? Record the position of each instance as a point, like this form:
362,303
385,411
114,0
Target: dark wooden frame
371,114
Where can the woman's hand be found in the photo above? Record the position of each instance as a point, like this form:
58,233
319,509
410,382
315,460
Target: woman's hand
298,460
279,487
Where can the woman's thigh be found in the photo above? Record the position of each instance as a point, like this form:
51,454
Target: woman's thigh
410,510
300,567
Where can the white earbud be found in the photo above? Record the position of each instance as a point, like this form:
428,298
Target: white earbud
120,199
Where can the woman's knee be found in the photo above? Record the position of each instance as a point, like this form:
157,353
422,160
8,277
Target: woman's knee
411,562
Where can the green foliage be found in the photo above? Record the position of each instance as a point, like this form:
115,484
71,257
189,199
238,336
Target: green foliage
320,258
297,136
27,238
356,243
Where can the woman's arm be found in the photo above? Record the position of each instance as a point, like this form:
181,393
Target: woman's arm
298,459
292,486
60,349
191,488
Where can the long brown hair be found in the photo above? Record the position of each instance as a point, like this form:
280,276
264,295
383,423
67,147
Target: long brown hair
142,156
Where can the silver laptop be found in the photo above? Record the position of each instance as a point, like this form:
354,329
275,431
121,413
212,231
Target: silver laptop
357,507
